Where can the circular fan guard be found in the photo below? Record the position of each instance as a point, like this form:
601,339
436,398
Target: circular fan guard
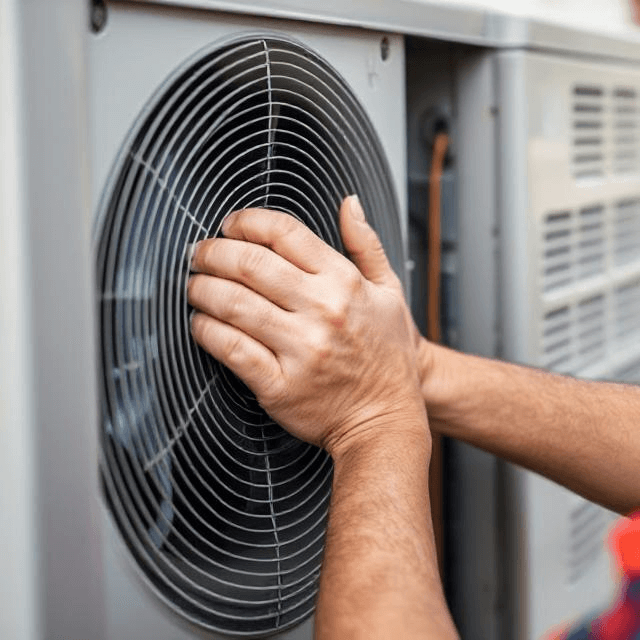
223,511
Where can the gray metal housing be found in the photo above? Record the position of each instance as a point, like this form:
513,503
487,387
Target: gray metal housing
65,573
59,549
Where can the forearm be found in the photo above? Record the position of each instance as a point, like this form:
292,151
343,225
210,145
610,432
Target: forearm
584,435
380,575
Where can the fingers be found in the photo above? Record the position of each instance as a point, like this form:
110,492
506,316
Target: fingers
362,243
283,234
247,358
242,308
254,266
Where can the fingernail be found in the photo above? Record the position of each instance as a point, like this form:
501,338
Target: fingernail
191,253
191,250
226,222
191,316
355,208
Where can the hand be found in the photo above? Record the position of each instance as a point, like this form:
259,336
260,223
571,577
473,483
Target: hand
327,346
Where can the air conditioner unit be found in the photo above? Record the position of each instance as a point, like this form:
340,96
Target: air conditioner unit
193,515
549,275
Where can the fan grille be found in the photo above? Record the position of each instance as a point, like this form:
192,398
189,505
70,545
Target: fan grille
223,511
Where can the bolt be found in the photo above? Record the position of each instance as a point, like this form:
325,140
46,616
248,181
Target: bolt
98,11
385,48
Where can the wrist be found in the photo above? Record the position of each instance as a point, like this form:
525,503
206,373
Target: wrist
383,433
437,381
447,377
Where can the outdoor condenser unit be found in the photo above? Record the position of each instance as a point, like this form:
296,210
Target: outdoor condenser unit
144,495
197,516
549,232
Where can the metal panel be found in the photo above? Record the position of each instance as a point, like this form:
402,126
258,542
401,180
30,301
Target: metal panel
52,358
128,61
452,22
18,562
474,477
410,17
554,217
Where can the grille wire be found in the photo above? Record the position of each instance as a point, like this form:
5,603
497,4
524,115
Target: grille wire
223,511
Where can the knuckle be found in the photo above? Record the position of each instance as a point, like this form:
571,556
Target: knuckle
287,224
233,303
250,261
336,307
233,352
318,347
353,280
285,227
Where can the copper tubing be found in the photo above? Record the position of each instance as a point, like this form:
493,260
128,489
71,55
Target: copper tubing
440,145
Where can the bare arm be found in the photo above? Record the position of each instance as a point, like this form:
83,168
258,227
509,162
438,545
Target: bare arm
584,435
380,576
329,350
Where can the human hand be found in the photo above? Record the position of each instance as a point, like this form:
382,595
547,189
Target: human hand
327,346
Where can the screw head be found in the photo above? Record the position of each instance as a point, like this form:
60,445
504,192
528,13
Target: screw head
98,11
385,48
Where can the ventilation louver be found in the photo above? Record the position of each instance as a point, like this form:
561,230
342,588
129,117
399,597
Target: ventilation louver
588,131
625,134
222,510
587,526
626,232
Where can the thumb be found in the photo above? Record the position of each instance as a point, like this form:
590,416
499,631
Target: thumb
362,242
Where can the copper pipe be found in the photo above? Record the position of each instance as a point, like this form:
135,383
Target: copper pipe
440,145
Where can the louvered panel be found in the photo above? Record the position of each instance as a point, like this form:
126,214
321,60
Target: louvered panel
591,241
557,341
587,527
557,263
627,312
591,330
626,239
588,131
629,373
625,130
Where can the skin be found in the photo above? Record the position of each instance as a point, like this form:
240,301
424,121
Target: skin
304,327
581,434
302,324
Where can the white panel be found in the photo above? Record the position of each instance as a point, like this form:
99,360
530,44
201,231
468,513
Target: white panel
581,216
569,201
568,575
19,595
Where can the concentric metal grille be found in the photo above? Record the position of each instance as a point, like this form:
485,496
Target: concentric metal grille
222,510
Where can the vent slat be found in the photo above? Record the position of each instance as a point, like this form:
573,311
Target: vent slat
574,335
591,260
626,238
591,330
557,257
587,528
557,345
628,373
627,312
588,108
625,121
